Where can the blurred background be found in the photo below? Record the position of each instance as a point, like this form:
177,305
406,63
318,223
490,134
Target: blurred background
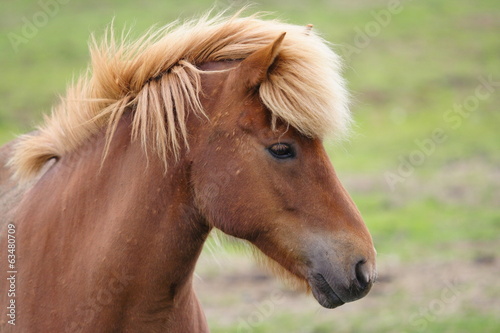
423,163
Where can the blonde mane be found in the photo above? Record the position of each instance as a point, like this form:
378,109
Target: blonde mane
156,77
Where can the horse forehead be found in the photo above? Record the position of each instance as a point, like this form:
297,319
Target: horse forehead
212,66
244,109
215,73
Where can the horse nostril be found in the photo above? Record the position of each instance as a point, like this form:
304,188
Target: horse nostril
362,274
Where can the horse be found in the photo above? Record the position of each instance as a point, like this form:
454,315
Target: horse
216,123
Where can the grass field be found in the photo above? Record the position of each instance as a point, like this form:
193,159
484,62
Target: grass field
423,163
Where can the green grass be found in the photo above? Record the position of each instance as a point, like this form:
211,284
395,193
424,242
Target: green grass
405,81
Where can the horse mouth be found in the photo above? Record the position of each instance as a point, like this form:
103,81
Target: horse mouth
323,292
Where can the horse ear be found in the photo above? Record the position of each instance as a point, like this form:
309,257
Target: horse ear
253,70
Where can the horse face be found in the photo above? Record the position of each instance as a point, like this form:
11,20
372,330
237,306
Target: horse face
277,189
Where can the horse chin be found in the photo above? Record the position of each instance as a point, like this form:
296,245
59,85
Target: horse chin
323,292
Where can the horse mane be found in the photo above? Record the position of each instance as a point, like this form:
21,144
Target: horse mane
157,79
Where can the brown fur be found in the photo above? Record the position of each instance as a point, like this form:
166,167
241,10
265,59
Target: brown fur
111,245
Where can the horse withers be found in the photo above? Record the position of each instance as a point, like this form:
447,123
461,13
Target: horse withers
216,124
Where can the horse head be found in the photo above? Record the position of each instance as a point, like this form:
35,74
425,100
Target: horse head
258,178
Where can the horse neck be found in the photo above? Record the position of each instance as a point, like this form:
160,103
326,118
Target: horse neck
125,220
159,225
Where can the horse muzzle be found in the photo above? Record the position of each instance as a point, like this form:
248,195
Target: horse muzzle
333,287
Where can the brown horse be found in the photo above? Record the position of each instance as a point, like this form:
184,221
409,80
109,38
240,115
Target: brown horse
214,124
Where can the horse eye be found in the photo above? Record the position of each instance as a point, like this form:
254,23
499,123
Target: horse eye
281,150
